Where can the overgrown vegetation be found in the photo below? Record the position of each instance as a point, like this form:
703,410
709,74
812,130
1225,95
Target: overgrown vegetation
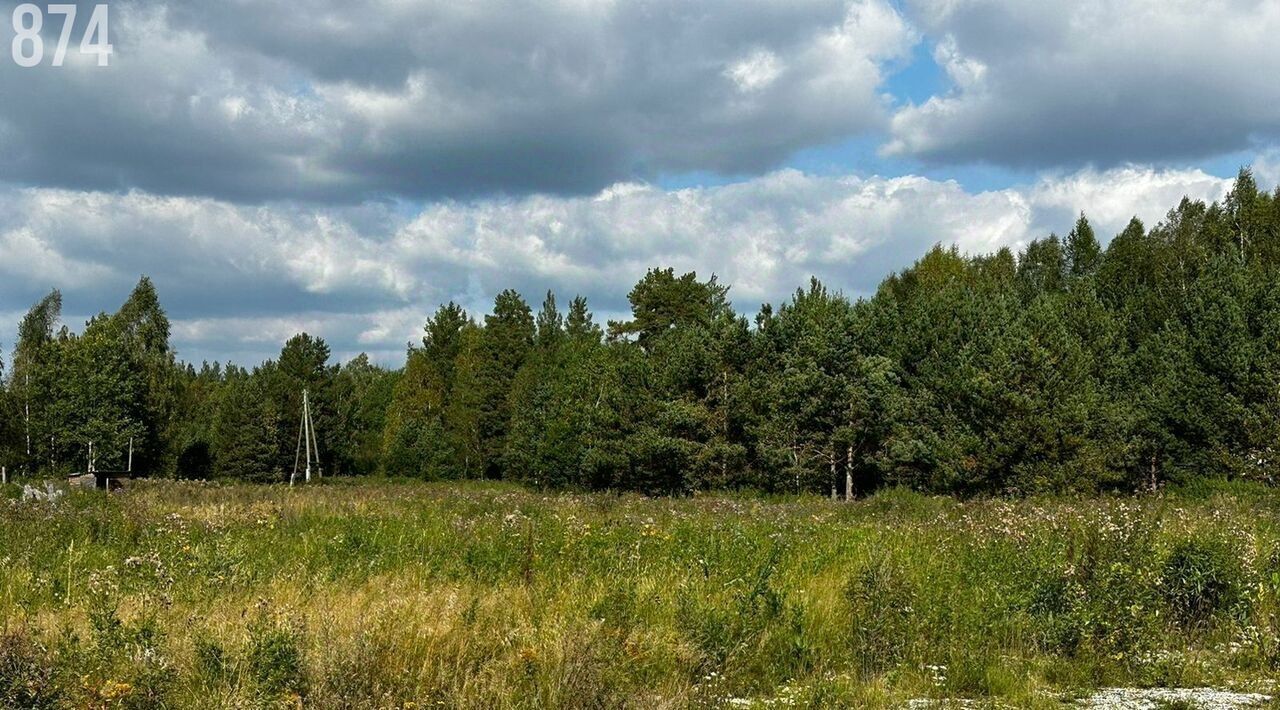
1066,367
386,594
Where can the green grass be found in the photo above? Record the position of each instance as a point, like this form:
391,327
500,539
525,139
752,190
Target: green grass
385,594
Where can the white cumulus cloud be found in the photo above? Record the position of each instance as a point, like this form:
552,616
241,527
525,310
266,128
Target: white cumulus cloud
238,279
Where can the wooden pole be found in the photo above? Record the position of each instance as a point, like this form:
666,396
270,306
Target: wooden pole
306,429
315,441
297,454
4,475
130,468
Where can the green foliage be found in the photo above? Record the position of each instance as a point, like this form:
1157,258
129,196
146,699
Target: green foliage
275,657
246,430
362,395
1082,251
1064,368
1200,579
504,344
418,438
879,598
26,674
212,662
381,593
663,301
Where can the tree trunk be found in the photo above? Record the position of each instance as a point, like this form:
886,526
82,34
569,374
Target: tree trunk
848,474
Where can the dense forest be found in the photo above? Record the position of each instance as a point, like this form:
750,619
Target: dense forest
1065,367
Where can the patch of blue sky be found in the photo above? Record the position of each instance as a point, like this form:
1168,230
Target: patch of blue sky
912,80
915,79
1229,164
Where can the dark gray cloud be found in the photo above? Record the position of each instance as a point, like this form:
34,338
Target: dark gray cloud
343,101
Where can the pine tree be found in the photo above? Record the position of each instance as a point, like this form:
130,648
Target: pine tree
505,343
443,339
417,440
245,430
580,324
1083,253
662,301
1042,266
303,365
1068,368
549,324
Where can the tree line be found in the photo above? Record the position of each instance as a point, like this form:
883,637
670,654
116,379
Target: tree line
1064,367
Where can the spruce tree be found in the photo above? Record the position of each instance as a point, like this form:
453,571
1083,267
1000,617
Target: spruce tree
580,323
506,341
549,324
1083,253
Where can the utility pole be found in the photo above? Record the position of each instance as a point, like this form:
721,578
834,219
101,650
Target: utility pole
297,452
311,427
306,430
307,443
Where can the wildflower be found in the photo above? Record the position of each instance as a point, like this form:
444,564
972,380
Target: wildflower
112,690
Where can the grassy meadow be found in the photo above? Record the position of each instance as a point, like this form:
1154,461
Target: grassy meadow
382,594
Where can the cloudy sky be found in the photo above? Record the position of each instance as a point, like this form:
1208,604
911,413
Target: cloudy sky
343,166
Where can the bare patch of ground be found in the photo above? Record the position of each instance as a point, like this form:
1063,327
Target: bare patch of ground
1129,699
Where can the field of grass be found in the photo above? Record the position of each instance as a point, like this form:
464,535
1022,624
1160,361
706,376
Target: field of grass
378,594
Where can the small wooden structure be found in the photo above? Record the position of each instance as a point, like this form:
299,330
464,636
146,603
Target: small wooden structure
103,480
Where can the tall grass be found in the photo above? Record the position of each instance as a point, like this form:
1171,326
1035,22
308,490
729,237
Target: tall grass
381,594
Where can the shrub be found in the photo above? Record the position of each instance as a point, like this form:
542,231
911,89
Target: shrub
879,598
275,658
1053,608
1200,579
26,677
211,659
719,626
